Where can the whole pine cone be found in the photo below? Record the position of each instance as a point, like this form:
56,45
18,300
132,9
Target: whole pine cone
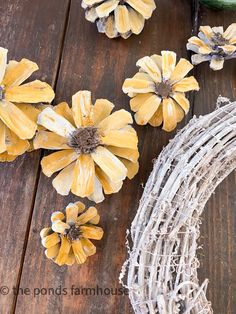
119,17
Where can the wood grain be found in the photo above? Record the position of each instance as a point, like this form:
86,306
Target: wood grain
91,61
34,32
218,253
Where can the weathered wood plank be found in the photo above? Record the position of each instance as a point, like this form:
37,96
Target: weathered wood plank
219,220
34,31
91,61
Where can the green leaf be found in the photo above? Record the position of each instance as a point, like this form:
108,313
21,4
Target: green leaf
220,4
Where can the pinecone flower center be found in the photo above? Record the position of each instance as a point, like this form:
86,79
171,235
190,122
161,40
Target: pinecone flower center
73,233
85,140
219,40
163,89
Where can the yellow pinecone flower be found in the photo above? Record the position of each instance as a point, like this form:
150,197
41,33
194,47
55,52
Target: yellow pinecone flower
158,90
68,239
213,45
97,149
119,17
18,117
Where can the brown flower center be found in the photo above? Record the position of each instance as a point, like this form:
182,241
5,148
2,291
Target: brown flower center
74,233
85,140
219,40
163,89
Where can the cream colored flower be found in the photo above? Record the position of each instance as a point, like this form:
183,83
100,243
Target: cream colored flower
213,45
158,90
119,17
68,239
97,150
18,118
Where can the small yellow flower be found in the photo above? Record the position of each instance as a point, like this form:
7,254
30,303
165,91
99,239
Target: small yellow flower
18,118
68,239
119,17
97,150
213,45
158,90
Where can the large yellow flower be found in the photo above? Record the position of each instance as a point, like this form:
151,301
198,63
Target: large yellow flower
18,118
97,150
213,45
68,239
158,90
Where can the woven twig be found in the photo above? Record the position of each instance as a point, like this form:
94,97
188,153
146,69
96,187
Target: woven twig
162,265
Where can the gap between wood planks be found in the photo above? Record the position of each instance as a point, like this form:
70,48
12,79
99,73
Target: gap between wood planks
195,26
54,85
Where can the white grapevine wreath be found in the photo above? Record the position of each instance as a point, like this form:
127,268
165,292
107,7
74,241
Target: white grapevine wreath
162,265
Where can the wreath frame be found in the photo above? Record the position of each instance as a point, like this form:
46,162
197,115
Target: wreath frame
162,264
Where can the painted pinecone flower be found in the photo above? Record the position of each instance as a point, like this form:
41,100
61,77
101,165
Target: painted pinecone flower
18,117
119,17
213,45
97,149
68,239
158,90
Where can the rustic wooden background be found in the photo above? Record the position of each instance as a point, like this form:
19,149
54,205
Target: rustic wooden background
73,56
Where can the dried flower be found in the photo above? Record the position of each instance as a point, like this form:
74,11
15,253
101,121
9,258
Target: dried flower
158,90
18,118
119,17
213,45
97,149
68,239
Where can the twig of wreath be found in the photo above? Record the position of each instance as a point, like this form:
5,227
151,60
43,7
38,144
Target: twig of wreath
162,265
